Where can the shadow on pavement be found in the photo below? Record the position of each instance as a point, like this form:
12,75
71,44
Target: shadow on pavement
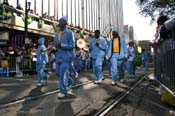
29,104
65,108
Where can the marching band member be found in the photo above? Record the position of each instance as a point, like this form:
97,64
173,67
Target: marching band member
145,59
65,43
42,59
98,47
116,54
131,54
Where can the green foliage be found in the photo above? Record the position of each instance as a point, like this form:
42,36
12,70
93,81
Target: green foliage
153,8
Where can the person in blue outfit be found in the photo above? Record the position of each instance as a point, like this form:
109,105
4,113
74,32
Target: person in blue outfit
65,43
73,71
42,60
98,48
145,59
116,54
130,64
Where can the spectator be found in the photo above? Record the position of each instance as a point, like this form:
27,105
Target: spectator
130,64
6,2
44,15
1,54
19,7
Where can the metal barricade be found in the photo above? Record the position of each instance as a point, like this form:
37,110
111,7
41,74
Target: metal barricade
165,66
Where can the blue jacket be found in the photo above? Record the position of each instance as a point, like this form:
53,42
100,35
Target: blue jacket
123,49
98,51
41,53
132,52
145,56
67,41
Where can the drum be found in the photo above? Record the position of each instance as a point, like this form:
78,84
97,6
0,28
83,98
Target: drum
137,60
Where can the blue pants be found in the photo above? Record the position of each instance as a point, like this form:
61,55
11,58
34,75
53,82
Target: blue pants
78,65
62,71
97,67
41,75
131,68
109,67
145,64
88,64
114,63
121,69
72,69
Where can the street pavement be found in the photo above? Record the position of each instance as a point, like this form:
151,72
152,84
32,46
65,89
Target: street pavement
144,100
83,100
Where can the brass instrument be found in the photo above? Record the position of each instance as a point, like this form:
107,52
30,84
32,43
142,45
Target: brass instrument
81,43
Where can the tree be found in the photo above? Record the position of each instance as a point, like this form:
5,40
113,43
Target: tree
153,8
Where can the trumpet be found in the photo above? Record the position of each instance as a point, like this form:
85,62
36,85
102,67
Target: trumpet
81,43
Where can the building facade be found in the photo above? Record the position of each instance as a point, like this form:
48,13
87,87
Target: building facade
86,15
128,33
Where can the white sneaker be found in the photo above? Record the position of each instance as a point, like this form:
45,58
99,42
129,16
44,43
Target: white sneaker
76,75
121,80
61,95
100,80
96,82
39,84
113,83
69,87
103,78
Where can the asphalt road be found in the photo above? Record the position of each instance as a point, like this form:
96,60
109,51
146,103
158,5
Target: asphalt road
84,100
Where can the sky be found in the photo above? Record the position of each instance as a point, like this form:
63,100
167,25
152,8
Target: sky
143,29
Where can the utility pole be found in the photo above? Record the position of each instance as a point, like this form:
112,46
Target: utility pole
27,9
17,2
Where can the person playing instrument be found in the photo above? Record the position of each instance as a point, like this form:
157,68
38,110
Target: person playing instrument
130,64
65,43
42,60
98,47
116,54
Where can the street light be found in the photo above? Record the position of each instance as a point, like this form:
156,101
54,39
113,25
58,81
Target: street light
27,9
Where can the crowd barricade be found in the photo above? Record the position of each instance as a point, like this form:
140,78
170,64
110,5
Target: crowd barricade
19,66
166,55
